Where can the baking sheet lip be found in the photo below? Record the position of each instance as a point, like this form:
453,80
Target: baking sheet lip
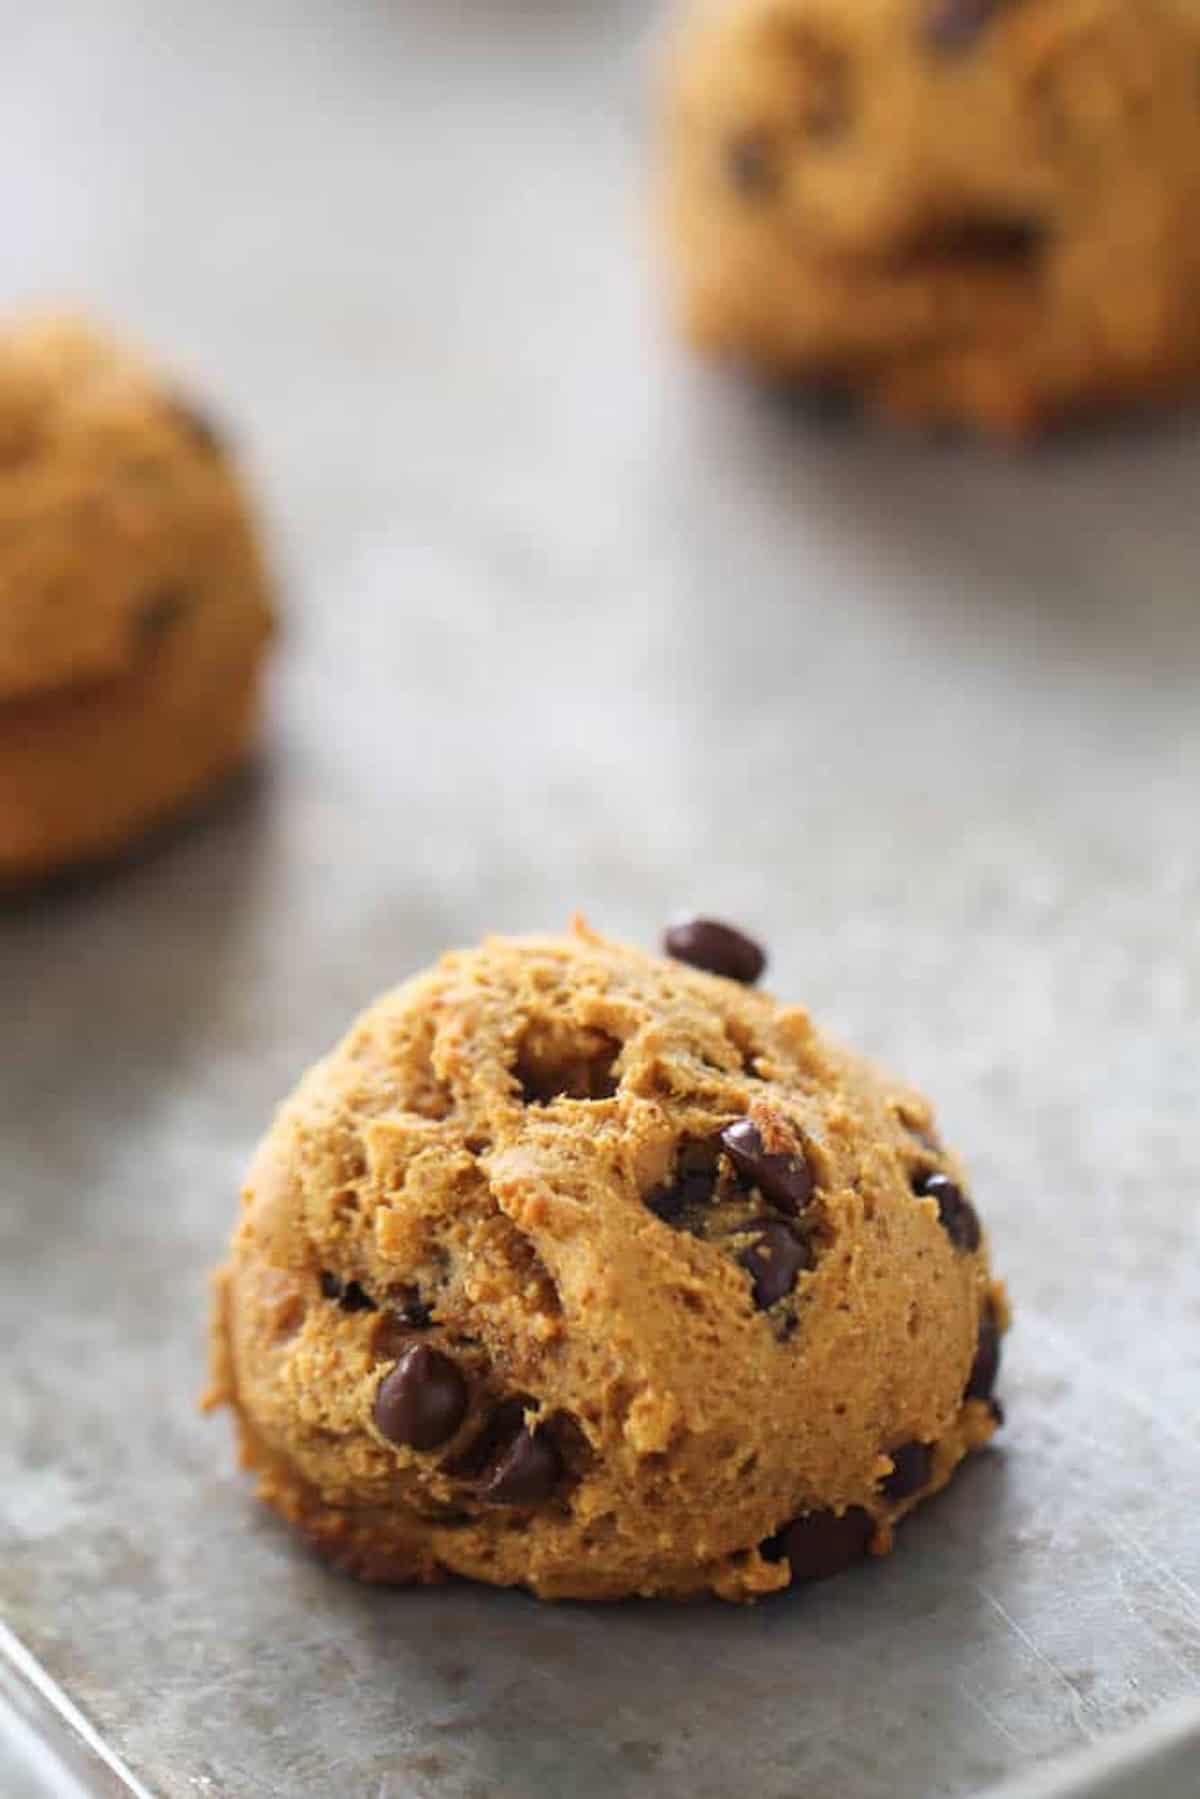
61,1726
1166,1744
1155,1745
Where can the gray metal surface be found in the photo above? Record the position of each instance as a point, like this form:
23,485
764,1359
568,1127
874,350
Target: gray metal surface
573,623
1157,1759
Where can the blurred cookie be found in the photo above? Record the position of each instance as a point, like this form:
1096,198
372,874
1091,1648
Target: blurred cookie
591,1272
133,603
966,211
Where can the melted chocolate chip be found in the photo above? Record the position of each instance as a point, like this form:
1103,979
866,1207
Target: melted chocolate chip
422,1400
823,1543
956,1214
526,1473
750,168
785,1180
716,948
348,1294
913,1466
986,1365
953,25
774,1259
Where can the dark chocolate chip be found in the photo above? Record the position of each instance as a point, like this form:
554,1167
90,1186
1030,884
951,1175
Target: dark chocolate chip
785,1180
997,1413
683,1195
197,425
668,1203
953,25
412,1311
348,1294
986,1365
502,1425
422,1400
526,1473
913,1466
716,948
774,1259
956,1214
693,1183
750,166
824,1543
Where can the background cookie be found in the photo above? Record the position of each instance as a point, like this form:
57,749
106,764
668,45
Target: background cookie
582,1270
973,210
133,601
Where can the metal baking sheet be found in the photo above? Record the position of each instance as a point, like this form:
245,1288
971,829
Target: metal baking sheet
572,623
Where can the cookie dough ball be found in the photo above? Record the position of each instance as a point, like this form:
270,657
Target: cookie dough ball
581,1270
133,602
969,211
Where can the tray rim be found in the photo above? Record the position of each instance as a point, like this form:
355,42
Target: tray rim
74,1762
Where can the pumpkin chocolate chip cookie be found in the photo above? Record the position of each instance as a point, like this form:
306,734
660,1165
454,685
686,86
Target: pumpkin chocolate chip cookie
133,602
966,211
598,1273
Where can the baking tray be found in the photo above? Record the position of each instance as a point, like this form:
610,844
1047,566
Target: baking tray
574,623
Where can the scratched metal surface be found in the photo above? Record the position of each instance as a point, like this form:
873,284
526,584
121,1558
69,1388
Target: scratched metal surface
573,623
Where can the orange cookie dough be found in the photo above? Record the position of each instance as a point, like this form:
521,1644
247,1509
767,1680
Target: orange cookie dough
586,1271
965,211
133,602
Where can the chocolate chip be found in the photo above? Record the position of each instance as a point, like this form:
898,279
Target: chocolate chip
525,1474
197,425
670,1203
786,1180
986,1365
913,1466
348,1294
411,1310
693,1184
953,25
716,948
956,1214
823,1543
422,1400
996,1411
774,1259
502,1425
750,168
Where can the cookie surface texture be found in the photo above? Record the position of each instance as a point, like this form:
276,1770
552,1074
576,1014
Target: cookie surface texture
964,211
133,602
582,1270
